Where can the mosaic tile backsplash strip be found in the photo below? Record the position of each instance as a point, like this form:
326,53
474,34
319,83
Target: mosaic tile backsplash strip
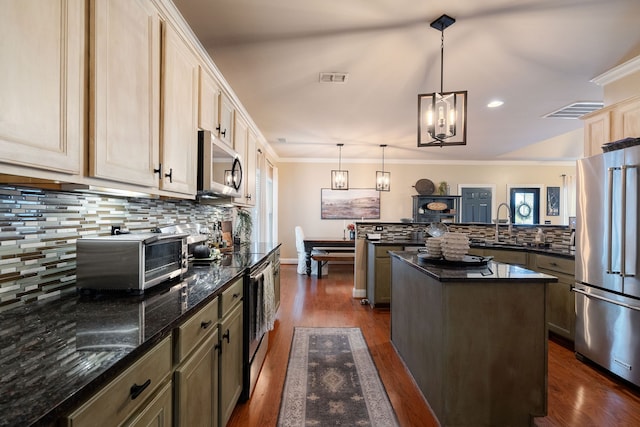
39,228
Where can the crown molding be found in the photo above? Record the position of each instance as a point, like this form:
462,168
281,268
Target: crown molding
618,72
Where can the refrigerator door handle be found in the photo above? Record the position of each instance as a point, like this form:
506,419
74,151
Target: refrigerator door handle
610,222
623,221
598,297
623,267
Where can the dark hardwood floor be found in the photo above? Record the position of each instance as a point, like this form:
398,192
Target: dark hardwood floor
579,394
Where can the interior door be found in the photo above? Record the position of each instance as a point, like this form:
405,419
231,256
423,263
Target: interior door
476,204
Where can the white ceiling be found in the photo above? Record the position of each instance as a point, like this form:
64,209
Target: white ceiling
535,55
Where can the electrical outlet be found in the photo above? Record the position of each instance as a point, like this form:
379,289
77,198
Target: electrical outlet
378,228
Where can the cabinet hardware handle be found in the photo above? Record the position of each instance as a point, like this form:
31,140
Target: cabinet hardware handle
159,170
218,348
169,175
249,196
235,296
226,335
137,389
205,325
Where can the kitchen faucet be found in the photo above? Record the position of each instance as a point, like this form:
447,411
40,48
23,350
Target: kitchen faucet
498,219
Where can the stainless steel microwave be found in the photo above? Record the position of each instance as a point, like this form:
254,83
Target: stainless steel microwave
129,262
219,168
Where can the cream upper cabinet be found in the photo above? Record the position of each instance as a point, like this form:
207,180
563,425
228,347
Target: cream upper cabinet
225,127
240,135
597,131
612,123
179,114
208,118
626,120
124,100
42,84
250,169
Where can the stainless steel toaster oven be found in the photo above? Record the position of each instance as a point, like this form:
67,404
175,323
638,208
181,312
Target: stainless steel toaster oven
130,262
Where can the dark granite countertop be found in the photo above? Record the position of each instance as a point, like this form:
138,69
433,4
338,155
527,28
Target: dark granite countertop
491,272
55,354
553,251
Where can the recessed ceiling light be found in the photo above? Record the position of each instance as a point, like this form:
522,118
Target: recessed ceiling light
494,104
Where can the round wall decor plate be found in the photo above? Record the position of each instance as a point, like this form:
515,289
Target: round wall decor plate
437,206
425,187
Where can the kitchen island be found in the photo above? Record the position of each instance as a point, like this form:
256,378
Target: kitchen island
473,338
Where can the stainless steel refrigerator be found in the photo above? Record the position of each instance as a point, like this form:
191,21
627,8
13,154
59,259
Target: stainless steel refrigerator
607,285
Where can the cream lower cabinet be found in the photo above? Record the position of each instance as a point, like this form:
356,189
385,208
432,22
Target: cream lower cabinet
231,337
141,395
208,379
196,385
379,274
507,256
42,84
196,382
124,107
561,316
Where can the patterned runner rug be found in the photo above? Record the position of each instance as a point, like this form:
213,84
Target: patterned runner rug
332,381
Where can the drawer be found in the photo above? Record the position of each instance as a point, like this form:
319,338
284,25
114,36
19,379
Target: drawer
195,329
561,265
115,401
230,297
382,251
507,256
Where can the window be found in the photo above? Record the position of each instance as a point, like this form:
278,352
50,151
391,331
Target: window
525,205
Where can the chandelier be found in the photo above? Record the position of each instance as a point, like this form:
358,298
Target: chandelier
442,116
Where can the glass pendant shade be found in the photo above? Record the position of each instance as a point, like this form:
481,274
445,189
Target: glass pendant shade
442,119
383,181
340,178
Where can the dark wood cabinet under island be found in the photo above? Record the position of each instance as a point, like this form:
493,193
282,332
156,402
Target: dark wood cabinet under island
474,339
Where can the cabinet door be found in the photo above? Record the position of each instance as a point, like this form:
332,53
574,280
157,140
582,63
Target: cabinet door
208,118
561,307
626,120
158,412
196,386
42,83
240,140
230,363
179,114
124,104
251,163
597,131
225,122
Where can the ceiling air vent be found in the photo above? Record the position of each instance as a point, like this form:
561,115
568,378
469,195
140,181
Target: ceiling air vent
334,77
575,110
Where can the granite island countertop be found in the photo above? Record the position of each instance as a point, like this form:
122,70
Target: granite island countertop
490,272
55,354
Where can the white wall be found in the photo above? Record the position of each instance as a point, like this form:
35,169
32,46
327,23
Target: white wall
300,184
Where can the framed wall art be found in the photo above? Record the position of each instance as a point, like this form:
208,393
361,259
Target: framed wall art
553,201
354,203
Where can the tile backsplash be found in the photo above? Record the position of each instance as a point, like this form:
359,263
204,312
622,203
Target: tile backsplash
39,228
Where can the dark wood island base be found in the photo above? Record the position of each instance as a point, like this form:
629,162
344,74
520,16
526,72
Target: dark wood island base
474,339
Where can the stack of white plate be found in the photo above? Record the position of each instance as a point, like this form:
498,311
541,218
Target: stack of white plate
455,246
434,247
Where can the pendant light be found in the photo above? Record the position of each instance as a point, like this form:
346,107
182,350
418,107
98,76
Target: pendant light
442,116
383,179
340,178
